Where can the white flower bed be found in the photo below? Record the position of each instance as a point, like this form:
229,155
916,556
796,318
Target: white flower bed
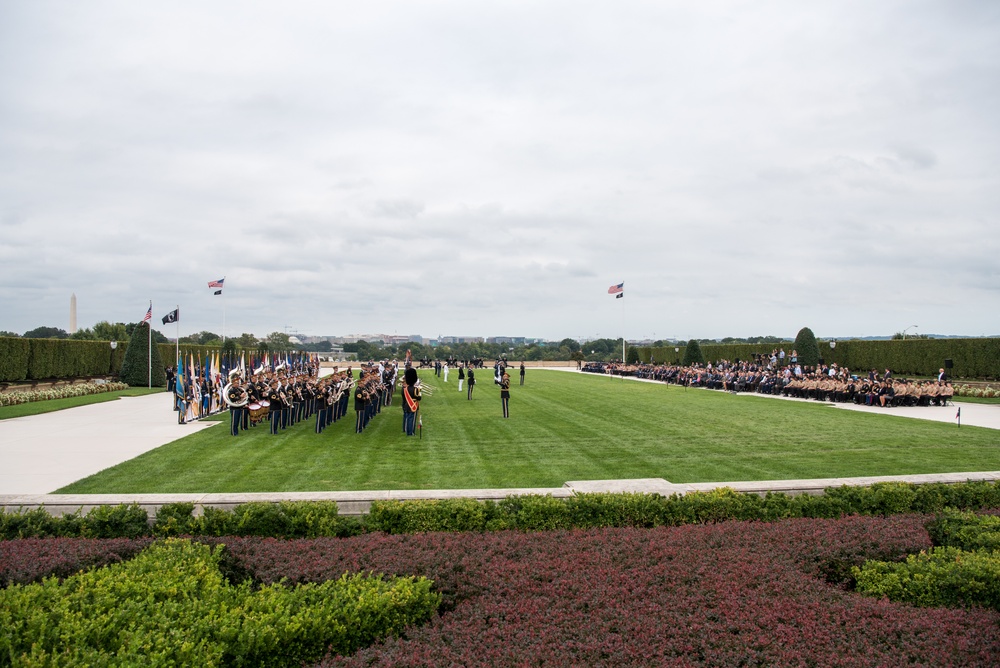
25,397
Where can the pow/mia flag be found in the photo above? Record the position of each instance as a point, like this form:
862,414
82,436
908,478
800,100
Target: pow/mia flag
172,316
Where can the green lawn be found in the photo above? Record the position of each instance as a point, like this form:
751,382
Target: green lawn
563,427
39,407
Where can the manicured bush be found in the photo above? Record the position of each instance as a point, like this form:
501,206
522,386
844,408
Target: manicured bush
143,365
171,606
33,559
14,356
692,354
940,576
732,593
965,530
121,521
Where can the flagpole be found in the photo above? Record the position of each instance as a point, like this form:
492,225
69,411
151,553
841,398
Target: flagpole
149,350
223,314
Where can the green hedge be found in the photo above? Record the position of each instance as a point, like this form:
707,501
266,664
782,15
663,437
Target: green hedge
528,513
171,606
965,530
43,359
945,576
973,358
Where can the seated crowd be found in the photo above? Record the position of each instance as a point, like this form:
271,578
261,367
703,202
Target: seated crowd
823,383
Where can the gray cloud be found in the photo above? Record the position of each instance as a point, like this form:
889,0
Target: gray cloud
486,169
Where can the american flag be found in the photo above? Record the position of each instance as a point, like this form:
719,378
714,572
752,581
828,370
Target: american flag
615,289
149,313
216,284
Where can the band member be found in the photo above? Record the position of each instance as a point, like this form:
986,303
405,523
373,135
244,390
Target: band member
505,393
360,401
472,382
236,397
411,400
274,395
522,372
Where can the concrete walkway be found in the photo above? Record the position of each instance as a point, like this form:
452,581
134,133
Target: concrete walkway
42,453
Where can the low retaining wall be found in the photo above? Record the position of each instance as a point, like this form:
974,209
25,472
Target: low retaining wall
359,503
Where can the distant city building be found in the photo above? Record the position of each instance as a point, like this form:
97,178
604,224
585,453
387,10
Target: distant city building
516,340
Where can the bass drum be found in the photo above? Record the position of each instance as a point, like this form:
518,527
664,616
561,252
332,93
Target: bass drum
257,412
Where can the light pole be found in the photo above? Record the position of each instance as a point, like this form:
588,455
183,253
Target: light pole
910,327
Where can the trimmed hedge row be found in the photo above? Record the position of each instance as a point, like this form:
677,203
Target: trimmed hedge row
528,513
39,359
171,605
973,358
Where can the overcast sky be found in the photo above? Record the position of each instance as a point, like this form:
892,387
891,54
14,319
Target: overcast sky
490,168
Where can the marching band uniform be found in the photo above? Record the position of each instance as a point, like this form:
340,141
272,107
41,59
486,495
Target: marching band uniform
275,410
360,399
237,406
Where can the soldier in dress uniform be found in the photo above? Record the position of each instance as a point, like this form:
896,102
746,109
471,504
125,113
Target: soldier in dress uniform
472,382
236,397
275,410
411,400
505,393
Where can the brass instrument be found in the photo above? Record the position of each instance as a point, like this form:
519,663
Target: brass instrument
241,396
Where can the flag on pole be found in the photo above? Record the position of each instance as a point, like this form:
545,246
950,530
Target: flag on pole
216,284
217,292
149,313
619,295
173,316
958,416
616,289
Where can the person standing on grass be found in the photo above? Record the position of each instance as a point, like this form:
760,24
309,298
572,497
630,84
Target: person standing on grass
411,401
461,376
505,394
522,372
472,382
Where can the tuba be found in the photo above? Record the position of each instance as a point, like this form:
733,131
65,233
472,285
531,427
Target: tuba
242,396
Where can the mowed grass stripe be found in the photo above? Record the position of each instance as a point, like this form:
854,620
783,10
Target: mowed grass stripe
563,427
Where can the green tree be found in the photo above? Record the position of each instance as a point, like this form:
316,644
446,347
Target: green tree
46,333
136,366
105,331
692,354
807,347
572,344
229,347
247,341
12,335
278,341
632,355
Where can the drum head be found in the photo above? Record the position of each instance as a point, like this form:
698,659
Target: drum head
265,403
254,406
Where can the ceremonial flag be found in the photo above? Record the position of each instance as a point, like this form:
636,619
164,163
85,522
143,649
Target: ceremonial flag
217,292
149,313
615,289
216,284
173,316
958,416
619,295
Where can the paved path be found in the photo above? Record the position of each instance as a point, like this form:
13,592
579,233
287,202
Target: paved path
42,453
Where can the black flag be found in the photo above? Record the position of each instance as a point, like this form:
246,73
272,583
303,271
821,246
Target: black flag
172,316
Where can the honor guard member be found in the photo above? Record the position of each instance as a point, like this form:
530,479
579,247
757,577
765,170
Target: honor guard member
236,397
461,377
411,401
522,372
472,382
505,394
